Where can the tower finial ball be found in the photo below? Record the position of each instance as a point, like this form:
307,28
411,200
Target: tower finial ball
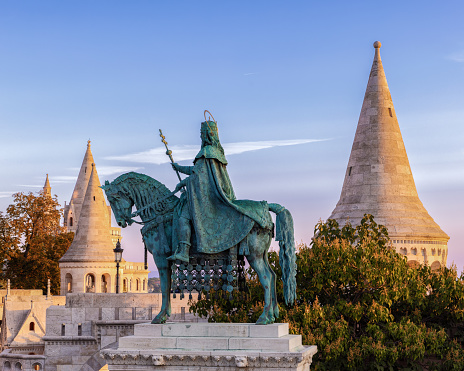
377,44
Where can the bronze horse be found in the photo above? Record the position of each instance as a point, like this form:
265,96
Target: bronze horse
155,205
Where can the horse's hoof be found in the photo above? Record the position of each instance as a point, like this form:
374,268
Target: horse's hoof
276,312
264,320
158,320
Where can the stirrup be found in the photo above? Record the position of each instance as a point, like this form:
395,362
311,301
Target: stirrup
176,256
181,253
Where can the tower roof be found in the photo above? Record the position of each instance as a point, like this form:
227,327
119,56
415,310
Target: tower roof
46,188
82,181
92,241
378,178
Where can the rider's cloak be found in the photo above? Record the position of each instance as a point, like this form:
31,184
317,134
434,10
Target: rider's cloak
219,220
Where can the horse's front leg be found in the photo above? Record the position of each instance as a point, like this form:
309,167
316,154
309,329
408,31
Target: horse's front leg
258,263
164,269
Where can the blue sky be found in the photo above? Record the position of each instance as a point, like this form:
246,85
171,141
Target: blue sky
271,72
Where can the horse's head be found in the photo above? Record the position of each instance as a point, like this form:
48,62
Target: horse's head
150,197
121,203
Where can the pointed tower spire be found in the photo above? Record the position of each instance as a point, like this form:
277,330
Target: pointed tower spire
378,179
47,189
81,183
92,241
73,209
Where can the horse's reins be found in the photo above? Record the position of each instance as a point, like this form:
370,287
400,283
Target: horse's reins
139,211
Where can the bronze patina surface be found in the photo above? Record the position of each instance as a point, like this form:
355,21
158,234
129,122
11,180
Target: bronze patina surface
198,241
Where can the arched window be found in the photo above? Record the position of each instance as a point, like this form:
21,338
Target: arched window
36,366
70,221
144,285
137,285
90,283
105,283
7,366
18,366
124,285
32,326
68,280
413,264
435,266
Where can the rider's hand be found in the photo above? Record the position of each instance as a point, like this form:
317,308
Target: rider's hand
174,165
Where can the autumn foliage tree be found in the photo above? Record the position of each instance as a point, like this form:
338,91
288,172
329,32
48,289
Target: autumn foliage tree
32,241
361,304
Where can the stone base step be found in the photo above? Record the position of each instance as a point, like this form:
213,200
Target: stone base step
210,346
282,344
212,330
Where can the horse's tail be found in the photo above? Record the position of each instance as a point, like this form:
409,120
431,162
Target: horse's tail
287,257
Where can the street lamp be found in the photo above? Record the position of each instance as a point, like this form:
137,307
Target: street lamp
117,258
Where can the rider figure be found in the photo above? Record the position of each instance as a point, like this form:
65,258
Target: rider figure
211,152
209,204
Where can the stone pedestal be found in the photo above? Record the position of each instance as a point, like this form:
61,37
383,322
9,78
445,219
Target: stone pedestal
210,346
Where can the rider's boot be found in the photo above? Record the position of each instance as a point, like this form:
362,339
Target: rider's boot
182,252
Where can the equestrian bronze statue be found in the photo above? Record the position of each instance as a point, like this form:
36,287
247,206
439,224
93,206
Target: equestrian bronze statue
198,240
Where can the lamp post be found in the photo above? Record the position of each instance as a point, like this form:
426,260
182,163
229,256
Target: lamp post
117,258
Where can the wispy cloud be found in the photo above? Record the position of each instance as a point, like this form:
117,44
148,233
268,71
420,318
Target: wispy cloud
63,179
110,170
457,57
240,147
4,194
102,171
30,185
249,73
188,152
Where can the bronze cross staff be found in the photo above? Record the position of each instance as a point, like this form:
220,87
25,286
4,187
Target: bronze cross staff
169,152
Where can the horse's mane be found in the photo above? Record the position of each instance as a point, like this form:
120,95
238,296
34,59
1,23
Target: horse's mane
134,177
142,188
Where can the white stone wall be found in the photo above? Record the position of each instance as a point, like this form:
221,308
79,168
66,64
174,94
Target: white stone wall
89,322
431,252
21,362
78,271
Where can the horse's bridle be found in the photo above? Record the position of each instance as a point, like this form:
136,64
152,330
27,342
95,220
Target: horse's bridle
139,211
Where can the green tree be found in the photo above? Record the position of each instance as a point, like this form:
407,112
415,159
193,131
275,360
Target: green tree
362,305
32,241
7,244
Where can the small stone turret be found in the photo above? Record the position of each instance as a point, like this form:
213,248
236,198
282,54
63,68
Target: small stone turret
379,180
47,189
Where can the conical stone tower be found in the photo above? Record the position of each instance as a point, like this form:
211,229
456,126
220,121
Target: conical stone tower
92,241
379,181
88,265
72,210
